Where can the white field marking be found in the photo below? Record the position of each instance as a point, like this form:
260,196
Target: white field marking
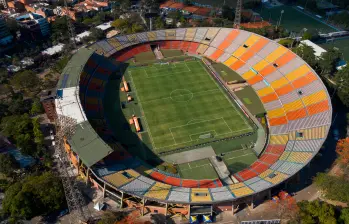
226,124
196,122
225,94
145,119
205,132
161,73
240,156
169,97
173,137
195,166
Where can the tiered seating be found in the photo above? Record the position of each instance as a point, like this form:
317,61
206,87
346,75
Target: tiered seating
296,101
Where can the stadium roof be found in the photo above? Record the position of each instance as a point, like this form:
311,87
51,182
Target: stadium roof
88,145
71,73
317,49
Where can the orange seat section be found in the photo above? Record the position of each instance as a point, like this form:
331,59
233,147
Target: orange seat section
267,70
255,48
278,121
305,80
296,114
190,183
284,90
269,98
284,59
228,40
255,79
238,64
216,55
318,107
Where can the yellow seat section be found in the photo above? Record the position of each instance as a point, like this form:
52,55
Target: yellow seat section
276,54
299,157
230,61
151,35
265,91
249,42
248,75
277,178
279,83
113,42
284,155
121,178
242,191
238,185
189,35
295,105
314,98
278,139
297,73
265,173
159,191
202,48
200,195
132,38
311,133
260,65
276,113
170,34
240,51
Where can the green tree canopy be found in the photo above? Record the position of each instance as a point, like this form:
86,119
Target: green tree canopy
335,188
25,133
26,80
60,64
328,61
308,54
36,107
8,164
35,195
316,212
342,81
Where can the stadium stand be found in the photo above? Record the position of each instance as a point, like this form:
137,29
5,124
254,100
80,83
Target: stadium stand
297,104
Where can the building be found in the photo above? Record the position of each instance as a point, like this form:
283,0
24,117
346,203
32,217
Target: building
33,26
41,9
5,35
47,99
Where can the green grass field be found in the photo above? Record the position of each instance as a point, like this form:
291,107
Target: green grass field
200,169
181,105
239,159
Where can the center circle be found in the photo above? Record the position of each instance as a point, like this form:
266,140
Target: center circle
181,95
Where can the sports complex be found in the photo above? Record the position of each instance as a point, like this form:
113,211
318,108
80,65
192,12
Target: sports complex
192,119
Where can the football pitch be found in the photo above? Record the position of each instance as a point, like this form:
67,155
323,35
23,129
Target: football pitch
182,105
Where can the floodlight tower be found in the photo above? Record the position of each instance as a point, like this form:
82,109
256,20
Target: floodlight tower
70,25
65,128
237,19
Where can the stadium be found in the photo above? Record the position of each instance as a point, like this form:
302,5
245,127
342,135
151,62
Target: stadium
193,119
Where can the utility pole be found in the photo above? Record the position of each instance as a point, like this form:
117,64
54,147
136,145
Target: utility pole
70,25
65,129
237,19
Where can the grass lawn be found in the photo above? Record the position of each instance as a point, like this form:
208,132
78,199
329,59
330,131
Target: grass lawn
239,159
251,100
226,73
171,53
197,170
181,105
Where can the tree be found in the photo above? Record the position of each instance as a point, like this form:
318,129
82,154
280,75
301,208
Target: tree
36,107
25,80
59,27
334,188
159,23
344,216
342,82
316,212
307,36
97,34
227,12
342,149
308,54
342,19
120,24
286,206
35,195
20,128
110,217
8,164
60,64
328,61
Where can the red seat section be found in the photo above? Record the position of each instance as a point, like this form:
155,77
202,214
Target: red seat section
192,47
174,181
269,158
184,46
128,53
246,174
276,149
259,167
207,184
190,183
158,176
